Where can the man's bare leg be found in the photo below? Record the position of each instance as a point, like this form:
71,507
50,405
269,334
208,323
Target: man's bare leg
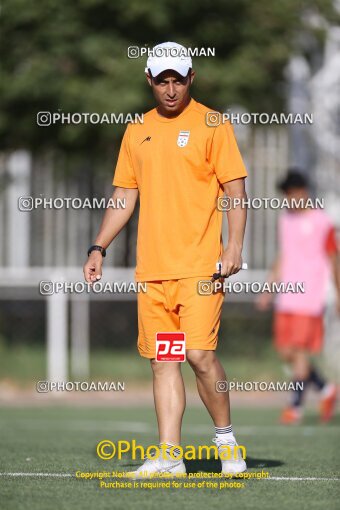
299,363
169,397
208,370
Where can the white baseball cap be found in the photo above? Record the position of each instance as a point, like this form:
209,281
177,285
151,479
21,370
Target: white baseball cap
169,55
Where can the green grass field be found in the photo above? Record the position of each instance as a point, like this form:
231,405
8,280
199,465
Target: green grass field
26,364
62,440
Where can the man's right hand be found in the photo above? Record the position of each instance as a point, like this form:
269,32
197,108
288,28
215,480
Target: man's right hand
93,267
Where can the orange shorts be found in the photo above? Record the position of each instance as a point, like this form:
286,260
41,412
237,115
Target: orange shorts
179,306
295,331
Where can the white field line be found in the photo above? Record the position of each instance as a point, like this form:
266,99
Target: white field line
52,475
83,425
146,428
304,479
274,478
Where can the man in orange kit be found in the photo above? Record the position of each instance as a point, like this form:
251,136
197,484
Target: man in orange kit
179,166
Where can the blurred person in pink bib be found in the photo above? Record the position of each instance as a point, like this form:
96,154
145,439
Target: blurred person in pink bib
308,254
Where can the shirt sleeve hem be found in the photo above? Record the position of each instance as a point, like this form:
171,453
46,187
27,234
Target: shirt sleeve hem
228,178
124,184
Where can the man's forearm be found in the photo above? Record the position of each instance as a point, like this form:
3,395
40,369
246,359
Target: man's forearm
237,215
116,218
237,219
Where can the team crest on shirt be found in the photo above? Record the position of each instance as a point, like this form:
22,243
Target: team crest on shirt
183,138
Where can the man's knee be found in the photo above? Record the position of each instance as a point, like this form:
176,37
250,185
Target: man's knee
164,368
286,354
201,361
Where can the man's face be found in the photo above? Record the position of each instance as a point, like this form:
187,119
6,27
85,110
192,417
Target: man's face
171,91
294,195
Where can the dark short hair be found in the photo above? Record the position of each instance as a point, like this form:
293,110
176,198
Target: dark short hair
295,178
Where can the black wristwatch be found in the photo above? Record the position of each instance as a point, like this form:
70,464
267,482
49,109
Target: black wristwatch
95,247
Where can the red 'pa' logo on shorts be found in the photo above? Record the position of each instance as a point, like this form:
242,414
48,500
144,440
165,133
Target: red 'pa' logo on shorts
170,347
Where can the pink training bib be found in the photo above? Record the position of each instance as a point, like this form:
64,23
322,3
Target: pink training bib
304,258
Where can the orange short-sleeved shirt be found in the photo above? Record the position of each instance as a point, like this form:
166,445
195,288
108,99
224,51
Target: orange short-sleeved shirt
178,166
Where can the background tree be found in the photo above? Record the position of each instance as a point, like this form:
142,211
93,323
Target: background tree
72,57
